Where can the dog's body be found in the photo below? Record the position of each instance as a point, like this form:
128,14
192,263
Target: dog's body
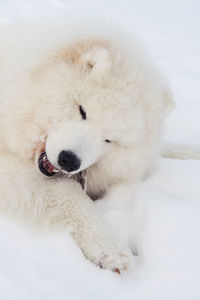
89,105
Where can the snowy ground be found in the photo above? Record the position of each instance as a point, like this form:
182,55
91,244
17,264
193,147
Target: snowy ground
166,211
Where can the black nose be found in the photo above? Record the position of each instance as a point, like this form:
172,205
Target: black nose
68,161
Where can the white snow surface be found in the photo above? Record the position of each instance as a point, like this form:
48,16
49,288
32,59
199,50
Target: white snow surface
163,224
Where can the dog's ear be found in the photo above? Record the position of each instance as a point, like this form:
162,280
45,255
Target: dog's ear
94,59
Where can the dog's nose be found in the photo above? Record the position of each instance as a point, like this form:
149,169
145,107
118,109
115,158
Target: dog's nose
68,161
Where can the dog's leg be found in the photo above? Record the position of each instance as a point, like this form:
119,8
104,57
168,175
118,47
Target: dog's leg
118,206
60,202
69,205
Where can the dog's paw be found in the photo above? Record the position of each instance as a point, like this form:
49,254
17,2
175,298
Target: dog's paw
115,260
111,256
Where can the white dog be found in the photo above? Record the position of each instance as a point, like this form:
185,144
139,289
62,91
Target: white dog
88,109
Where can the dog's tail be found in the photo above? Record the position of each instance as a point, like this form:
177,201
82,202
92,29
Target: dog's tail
178,151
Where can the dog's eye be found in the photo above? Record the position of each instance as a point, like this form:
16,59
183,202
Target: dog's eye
82,112
108,141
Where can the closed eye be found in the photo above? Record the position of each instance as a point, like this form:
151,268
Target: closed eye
82,112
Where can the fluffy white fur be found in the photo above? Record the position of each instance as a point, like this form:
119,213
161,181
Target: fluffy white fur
43,80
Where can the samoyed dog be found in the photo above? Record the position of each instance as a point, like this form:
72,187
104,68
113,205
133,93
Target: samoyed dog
81,112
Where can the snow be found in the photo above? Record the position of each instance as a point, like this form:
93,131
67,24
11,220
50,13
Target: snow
164,223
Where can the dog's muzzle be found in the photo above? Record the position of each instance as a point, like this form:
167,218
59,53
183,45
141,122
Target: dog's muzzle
46,167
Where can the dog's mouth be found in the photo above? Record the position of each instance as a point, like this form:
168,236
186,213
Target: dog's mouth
45,166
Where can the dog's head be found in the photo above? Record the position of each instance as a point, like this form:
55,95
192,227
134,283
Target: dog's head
96,107
91,104
91,108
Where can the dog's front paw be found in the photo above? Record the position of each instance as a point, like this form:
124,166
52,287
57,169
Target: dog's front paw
110,256
115,260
